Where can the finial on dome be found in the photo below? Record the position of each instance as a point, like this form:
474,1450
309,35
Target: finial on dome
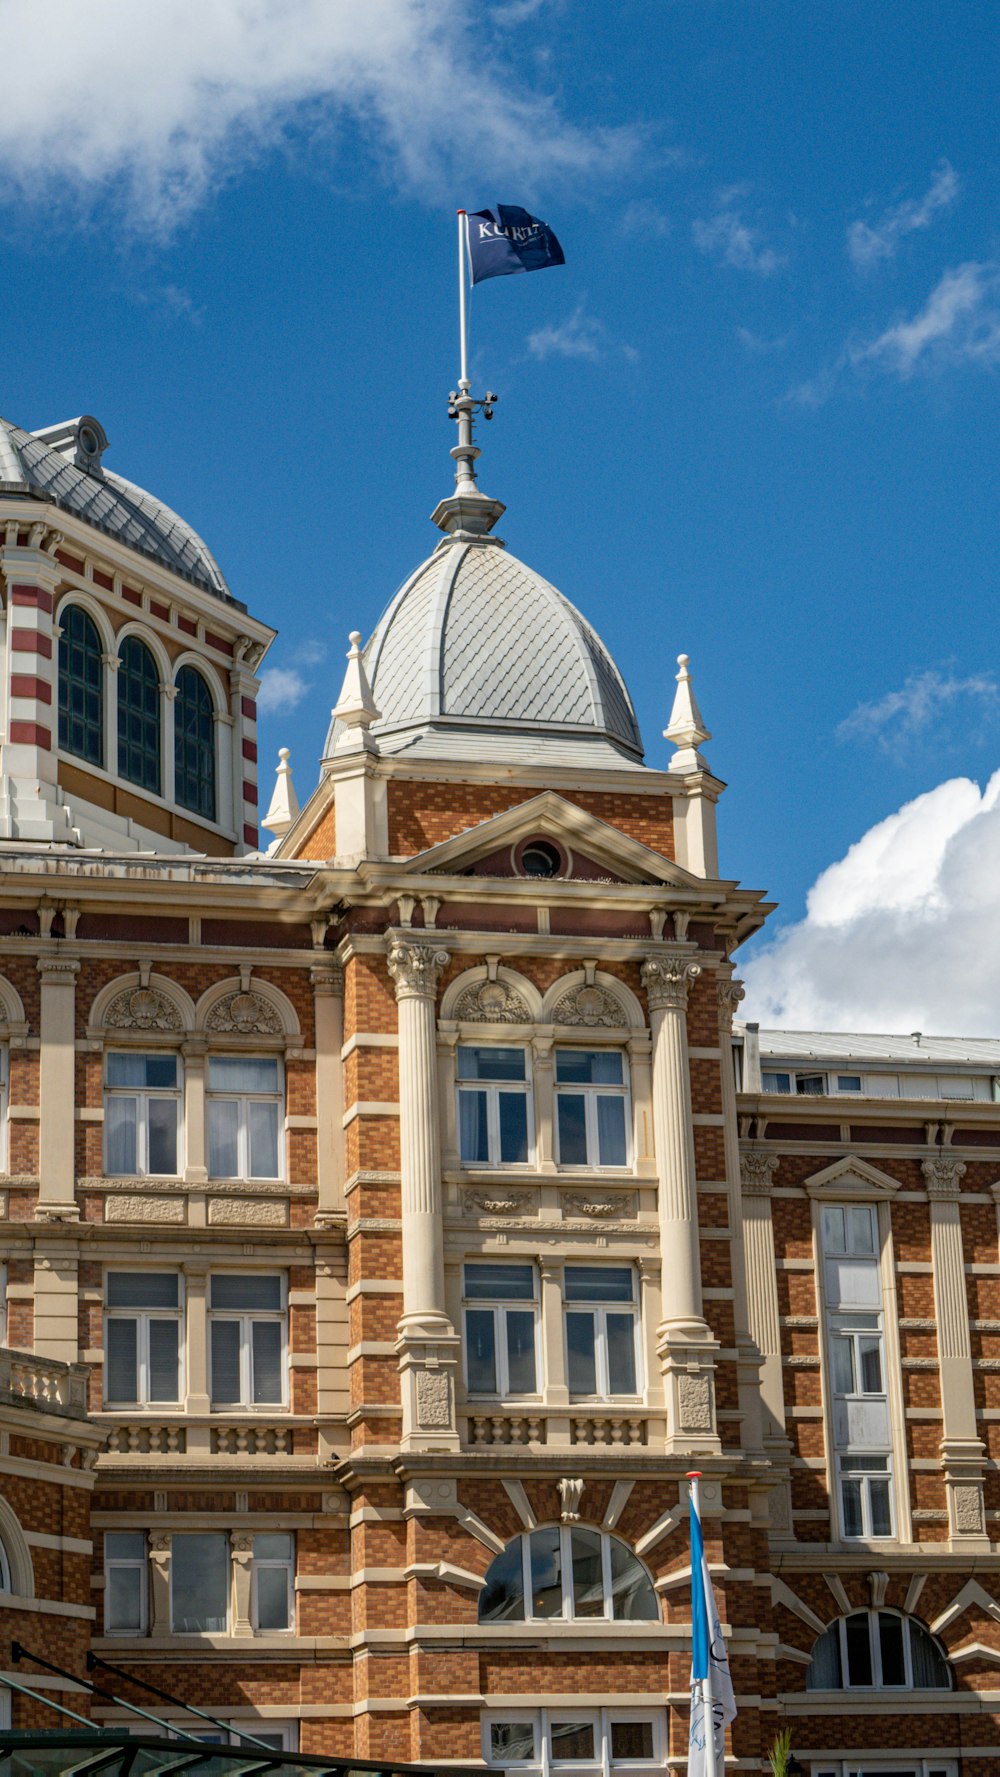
356,708
686,727
284,808
467,514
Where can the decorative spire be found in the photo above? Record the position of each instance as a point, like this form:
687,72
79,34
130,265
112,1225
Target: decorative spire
284,807
355,708
467,514
686,727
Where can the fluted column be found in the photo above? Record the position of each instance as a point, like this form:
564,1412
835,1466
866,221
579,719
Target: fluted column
684,1341
427,1345
730,993
962,1451
57,1093
757,1176
327,979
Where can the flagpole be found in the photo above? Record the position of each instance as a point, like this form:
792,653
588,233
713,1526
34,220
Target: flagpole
711,1766
463,237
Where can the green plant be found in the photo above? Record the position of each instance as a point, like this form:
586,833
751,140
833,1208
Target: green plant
780,1753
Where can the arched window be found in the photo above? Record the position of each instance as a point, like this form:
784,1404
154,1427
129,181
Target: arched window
5,1585
194,744
570,1573
139,716
877,1650
81,686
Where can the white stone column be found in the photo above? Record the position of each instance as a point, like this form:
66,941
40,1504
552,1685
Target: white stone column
327,979
684,1341
730,993
962,1449
241,1552
195,1166
197,1392
57,1094
757,1174
553,1384
427,1346
159,1584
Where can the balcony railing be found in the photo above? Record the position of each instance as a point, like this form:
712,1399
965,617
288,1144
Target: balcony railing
43,1382
592,1426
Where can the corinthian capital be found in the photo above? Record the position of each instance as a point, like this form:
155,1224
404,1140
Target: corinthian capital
667,980
943,1175
416,969
730,994
757,1172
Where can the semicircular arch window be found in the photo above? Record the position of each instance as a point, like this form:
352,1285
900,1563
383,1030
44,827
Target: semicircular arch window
877,1650
81,686
194,744
569,1572
139,716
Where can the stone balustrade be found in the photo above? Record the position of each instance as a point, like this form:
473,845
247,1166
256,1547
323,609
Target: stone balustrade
43,1382
531,1427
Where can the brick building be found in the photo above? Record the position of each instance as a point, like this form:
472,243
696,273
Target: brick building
420,1216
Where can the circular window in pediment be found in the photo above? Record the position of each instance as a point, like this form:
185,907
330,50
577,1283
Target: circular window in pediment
539,857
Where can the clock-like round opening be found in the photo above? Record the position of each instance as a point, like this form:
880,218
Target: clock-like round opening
539,858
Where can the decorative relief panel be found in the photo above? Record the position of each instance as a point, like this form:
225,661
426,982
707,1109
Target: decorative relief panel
499,1202
589,1005
259,1212
968,1509
245,1013
143,1008
599,1205
491,1002
694,1395
125,1208
433,1399
757,1173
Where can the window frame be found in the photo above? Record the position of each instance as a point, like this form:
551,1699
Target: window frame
142,1095
566,1613
542,1720
245,1317
64,715
287,1564
136,678
600,1311
228,1629
878,1683
182,739
131,1563
590,1094
499,1307
492,1090
215,1095
856,1463
142,1316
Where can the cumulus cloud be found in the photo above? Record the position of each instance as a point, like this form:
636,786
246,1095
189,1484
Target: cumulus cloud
916,709
154,105
282,688
579,336
958,325
900,934
869,243
729,237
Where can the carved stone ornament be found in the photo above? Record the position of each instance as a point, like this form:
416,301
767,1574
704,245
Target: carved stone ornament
244,1013
416,968
498,1202
589,1005
492,1002
570,1492
694,1394
878,1586
667,980
730,993
968,1509
143,1008
757,1173
597,1207
943,1175
433,1399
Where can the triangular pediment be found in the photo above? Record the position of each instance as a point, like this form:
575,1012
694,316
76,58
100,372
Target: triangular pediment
851,1178
550,816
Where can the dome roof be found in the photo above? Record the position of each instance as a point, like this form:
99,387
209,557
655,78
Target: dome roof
475,642
62,465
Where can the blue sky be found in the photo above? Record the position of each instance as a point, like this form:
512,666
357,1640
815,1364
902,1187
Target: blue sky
753,418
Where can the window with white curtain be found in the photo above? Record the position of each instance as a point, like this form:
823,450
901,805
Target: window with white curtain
493,1114
248,1337
501,1330
602,1323
591,1090
141,1113
142,1338
245,1108
857,1378
272,1578
877,1650
558,1571
588,1742
126,1583
199,1582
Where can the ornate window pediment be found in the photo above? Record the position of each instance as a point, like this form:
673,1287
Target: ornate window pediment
851,1180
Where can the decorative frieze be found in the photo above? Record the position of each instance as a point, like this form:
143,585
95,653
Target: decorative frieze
143,1008
589,1006
491,1002
599,1206
244,1013
260,1212
499,1202
124,1207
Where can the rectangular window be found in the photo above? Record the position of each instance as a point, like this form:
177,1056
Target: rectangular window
125,1582
493,1107
501,1330
248,1336
591,1741
141,1112
245,1106
142,1339
814,1084
272,1581
858,1381
601,1330
591,1108
199,1582
776,1082
848,1082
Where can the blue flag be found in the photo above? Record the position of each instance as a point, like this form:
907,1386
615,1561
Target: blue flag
507,240
712,1701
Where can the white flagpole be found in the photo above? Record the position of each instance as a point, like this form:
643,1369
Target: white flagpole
463,238
711,1765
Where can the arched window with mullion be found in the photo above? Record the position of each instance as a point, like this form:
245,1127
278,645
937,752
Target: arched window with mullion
139,716
81,686
194,744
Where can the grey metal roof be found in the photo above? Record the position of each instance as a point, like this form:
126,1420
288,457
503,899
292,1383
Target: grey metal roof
915,1050
111,504
476,641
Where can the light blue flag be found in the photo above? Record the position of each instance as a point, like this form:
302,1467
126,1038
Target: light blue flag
712,1700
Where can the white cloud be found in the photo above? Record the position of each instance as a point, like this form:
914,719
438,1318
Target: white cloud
579,336
869,243
758,345
736,242
643,217
916,709
152,105
900,934
958,325
282,688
